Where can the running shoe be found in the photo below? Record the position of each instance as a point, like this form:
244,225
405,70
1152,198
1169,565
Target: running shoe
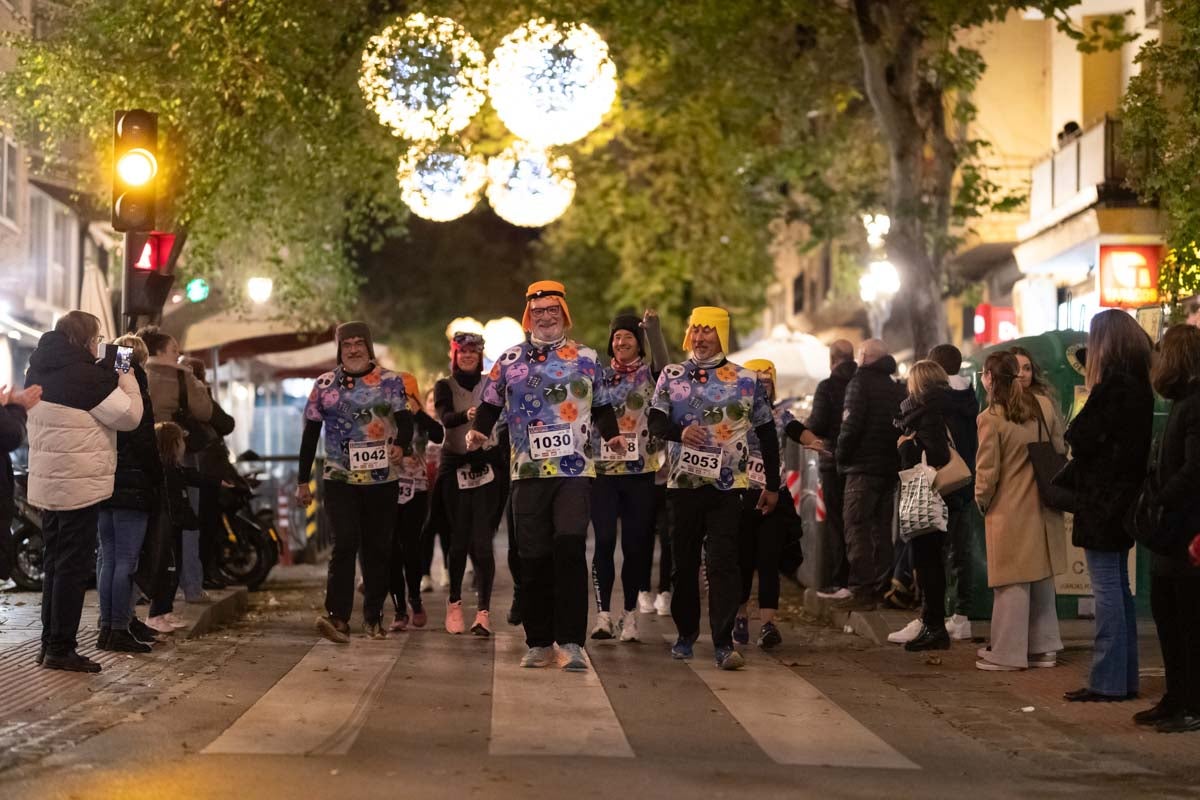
662,604
454,617
906,634
7,585
538,657
729,659
160,624
769,636
989,666
741,630
682,649
1043,660
419,617
374,630
629,631
603,628
426,583
575,661
332,629
481,627
398,624
143,632
645,602
959,627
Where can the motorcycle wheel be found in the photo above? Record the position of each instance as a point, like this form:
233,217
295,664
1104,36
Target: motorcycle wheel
27,564
247,559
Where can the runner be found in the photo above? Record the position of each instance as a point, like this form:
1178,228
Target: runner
407,564
549,391
368,430
433,460
762,538
624,485
704,408
467,481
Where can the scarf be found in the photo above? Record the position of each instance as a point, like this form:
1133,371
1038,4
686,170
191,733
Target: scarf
711,363
467,380
627,369
541,345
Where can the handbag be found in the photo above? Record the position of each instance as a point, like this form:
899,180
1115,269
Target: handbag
199,435
921,508
1047,463
954,474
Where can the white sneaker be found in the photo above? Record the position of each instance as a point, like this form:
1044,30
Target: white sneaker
444,580
604,626
7,584
629,631
840,593
662,604
160,624
907,633
959,627
426,584
175,620
645,602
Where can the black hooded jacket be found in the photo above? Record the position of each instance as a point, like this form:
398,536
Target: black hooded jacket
12,434
139,478
925,420
866,443
828,401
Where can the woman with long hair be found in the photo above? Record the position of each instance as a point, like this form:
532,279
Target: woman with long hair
1110,444
1030,373
1026,544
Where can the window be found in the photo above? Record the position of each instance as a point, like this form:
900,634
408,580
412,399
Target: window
10,162
53,249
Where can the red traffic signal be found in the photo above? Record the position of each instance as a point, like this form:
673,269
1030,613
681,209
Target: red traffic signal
148,268
149,251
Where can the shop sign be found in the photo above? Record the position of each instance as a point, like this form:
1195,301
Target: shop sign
995,324
1129,275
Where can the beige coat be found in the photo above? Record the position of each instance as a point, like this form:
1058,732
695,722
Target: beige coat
162,376
1026,541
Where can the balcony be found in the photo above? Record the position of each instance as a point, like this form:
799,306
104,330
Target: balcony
1083,171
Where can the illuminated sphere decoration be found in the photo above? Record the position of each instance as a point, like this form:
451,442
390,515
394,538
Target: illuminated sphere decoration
424,77
440,185
552,85
527,187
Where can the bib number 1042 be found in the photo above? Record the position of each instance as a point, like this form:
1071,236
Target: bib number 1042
551,441
368,456
704,462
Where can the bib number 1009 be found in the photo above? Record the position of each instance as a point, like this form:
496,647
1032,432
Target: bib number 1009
551,441
704,462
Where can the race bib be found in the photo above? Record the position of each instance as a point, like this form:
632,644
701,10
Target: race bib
704,462
551,441
628,453
408,488
368,456
469,478
757,471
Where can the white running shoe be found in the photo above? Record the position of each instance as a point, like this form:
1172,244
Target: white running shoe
906,634
645,602
444,580
629,632
959,627
160,624
834,593
662,604
7,584
604,626
426,584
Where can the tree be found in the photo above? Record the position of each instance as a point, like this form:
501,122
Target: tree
1161,114
919,76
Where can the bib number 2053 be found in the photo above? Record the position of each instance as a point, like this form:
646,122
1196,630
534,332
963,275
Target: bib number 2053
368,456
704,462
551,441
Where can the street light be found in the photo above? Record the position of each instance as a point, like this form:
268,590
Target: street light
878,286
877,226
259,289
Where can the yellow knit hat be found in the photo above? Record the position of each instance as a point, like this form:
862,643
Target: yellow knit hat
545,289
709,317
761,365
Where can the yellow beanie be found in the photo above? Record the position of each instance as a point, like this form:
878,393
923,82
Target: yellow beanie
545,289
709,317
761,365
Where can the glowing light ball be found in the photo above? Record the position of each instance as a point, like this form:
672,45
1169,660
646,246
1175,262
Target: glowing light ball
440,185
550,84
424,77
527,187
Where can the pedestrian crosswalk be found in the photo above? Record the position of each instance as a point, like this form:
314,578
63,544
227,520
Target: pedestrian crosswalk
320,706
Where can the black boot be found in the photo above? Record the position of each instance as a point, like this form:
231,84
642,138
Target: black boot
71,662
142,632
102,638
41,656
124,642
1162,710
929,639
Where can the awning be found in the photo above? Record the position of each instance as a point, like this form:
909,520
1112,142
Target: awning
95,299
238,335
309,362
801,360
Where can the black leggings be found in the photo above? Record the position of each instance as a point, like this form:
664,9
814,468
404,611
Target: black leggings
470,513
630,499
931,577
436,527
760,543
662,532
407,554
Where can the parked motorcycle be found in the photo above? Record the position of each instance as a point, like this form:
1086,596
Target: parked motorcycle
27,538
250,547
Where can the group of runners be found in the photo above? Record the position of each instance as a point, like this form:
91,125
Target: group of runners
558,440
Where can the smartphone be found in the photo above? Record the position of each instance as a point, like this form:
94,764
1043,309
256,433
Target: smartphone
122,357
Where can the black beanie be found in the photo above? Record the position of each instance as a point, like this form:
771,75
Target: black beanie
627,322
354,330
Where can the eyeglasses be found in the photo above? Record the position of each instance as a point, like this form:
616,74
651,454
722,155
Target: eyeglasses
97,340
548,311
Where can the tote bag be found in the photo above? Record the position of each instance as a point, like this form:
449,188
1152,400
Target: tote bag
1047,463
921,508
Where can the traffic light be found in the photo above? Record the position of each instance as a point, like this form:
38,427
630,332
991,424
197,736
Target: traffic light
148,275
135,166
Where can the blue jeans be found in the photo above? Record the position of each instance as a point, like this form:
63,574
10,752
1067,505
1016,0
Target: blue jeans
1115,657
121,533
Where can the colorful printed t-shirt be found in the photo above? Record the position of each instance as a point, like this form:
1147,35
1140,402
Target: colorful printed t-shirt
358,414
728,402
757,476
547,395
630,396
412,471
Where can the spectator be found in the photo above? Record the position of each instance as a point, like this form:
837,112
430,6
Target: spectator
72,461
124,518
13,408
1192,309
866,455
1175,582
1031,377
1026,544
215,462
826,422
169,379
1110,445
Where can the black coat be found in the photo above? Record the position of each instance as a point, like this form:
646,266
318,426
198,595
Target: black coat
1110,445
1179,476
925,420
138,481
12,434
867,440
828,402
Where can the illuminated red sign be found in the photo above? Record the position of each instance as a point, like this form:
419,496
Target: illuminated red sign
1129,275
995,324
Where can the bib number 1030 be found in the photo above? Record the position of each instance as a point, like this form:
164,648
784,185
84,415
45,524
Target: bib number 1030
368,456
551,441
704,462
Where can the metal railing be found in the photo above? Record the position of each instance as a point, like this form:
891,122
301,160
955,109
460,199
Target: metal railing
1086,163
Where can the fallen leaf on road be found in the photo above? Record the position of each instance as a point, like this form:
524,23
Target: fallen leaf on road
933,661
1028,709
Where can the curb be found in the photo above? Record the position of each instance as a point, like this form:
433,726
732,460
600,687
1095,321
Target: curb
227,606
870,625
